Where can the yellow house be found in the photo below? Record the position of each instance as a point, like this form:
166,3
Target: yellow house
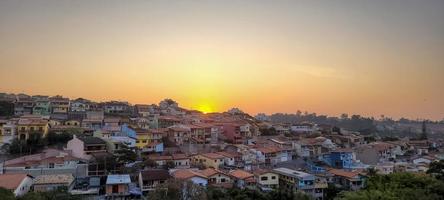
31,124
266,179
147,137
213,160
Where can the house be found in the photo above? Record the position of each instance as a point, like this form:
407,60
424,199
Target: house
181,161
117,186
385,168
59,105
8,131
350,180
293,180
303,128
19,184
191,175
149,179
80,105
340,159
41,106
200,133
236,132
376,152
217,178
111,124
44,183
28,124
243,179
23,105
213,160
271,155
117,108
49,161
83,147
266,180
149,140
231,159
142,110
179,134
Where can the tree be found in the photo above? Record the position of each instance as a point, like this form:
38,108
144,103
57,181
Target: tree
398,186
125,155
436,169
176,189
150,163
33,144
6,194
169,165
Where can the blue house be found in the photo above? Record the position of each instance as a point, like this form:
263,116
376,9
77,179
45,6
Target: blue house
339,159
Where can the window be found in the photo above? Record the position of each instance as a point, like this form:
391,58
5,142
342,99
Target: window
32,128
264,178
51,165
40,128
273,177
23,128
222,180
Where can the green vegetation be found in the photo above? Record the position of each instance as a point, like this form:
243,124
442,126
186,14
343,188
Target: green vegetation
6,108
398,186
52,195
33,144
36,143
175,189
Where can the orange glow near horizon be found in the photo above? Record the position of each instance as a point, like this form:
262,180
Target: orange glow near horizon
261,57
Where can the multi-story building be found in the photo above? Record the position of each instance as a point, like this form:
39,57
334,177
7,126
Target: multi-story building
80,105
84,147
293,180
213,160
59,104
42,106
23,105
29,124
266,180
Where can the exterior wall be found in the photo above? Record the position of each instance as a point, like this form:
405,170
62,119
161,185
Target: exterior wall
207,162
77,148
182,163
24,187
272,180
48,187
122,189
199,181
219,178
28,129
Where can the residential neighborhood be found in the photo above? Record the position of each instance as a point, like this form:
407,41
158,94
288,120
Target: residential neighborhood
116,150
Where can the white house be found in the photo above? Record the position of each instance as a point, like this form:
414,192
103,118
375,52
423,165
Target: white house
19,184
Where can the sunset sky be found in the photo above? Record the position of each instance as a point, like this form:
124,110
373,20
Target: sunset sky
368,57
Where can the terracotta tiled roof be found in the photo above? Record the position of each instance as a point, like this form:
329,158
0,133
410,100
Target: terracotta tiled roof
213,155
240,174
11,181
343,173
186,174
210,172
155,174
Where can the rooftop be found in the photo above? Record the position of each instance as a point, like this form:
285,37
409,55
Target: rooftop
54,179
118,179
11,181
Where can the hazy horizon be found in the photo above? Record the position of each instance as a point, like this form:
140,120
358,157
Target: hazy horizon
356,57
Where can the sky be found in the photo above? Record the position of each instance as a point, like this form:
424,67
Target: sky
329,57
